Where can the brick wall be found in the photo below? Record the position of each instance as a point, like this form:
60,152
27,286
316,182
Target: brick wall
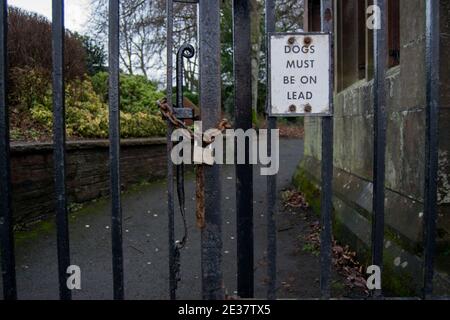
87,172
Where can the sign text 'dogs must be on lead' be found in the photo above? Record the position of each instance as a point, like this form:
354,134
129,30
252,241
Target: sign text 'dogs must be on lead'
299,75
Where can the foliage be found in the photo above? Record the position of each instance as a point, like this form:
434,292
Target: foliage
30,79
311,248
86,110
226,56
141,124
192,96
95,54
30,45
87,115
30,85
142,49
226,39
137,94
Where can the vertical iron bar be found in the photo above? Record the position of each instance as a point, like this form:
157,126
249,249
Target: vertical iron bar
170,184
432,141
271,180
379,90
326,234
210,101
114,149
244,172
6,220
179,77
59,140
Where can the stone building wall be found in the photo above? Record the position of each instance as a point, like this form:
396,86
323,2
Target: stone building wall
353,158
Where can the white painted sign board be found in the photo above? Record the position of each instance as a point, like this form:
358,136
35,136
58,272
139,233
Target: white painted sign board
299,74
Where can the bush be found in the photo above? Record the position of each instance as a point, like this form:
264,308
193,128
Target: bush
191,96
30,45
30,85
137,94
30,93
141,124
87,115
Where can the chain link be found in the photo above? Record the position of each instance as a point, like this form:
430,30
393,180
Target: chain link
167,113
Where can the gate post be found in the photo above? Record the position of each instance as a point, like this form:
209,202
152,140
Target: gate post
244,172
210,102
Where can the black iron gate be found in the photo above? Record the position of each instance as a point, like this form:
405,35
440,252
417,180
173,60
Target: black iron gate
210,100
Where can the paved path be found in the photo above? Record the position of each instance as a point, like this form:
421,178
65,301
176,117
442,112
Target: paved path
145,244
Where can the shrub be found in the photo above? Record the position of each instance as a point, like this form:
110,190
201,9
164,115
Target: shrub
193,97
87,115
30,45
30,85
95,54
30,94
141,124
137,94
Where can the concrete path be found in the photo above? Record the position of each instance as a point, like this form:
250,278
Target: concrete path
145,245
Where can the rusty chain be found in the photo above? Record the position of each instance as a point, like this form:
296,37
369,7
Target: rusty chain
167,113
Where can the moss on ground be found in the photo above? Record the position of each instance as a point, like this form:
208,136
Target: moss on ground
46,226
303,184
399,284
40,228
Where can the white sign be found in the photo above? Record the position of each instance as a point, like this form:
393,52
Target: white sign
299,74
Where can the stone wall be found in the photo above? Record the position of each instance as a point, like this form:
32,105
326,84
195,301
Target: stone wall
87,172
353,153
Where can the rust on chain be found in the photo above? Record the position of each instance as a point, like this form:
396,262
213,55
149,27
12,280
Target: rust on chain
200,196
167,113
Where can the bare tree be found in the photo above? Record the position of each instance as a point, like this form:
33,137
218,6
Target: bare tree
143,34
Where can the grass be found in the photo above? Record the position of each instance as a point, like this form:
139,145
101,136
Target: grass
311,248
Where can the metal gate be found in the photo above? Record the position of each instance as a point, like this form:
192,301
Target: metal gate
210,100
